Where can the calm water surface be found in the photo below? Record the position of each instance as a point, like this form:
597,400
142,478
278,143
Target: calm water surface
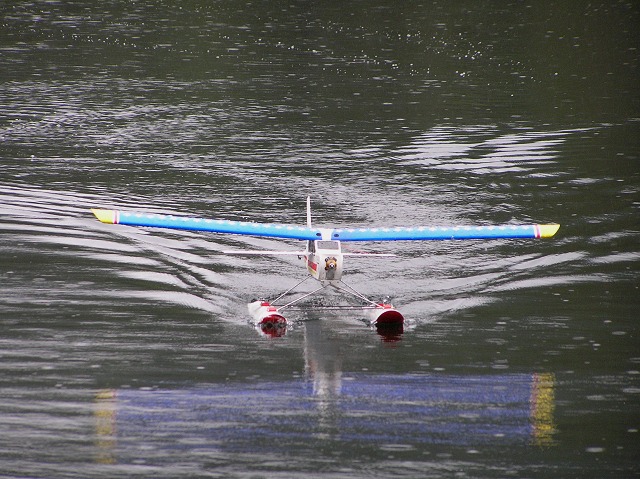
128,352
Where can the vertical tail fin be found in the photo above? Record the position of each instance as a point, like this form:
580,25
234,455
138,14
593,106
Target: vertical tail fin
309,211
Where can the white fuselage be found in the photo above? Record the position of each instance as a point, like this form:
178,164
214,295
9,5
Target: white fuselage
324,260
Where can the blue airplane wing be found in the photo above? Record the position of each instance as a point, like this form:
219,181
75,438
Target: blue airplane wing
201,224
276,230
445,232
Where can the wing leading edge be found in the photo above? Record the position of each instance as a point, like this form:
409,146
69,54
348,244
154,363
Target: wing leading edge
309,233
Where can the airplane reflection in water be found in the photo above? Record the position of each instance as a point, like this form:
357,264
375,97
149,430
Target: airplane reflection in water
328,407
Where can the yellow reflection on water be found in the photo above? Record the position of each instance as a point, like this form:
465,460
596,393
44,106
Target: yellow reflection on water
542,409
105,415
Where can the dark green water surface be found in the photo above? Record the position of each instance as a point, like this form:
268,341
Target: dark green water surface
128,352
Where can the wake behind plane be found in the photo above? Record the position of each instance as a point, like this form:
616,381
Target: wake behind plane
322,256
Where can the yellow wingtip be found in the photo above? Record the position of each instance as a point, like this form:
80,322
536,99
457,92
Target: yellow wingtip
105,216
547,231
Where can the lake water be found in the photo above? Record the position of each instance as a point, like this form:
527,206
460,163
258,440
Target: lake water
128,352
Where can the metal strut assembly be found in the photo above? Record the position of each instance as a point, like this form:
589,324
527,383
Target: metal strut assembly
340,286
291,289
267,313
350,290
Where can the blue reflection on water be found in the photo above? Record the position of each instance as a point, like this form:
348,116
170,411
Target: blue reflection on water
352,409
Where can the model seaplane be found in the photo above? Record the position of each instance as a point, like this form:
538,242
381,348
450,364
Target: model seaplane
323,256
